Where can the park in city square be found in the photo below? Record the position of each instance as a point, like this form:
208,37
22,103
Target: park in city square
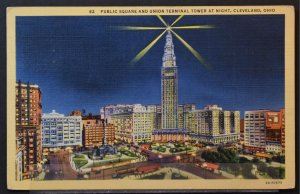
172,148
83,160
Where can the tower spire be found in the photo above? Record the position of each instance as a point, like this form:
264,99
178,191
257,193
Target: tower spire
169,86
169,59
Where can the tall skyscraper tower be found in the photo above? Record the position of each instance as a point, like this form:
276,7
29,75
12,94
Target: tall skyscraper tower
169,86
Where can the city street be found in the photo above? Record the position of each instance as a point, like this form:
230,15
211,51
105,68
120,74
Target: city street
59,167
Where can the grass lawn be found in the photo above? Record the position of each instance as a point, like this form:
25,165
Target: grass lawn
161,149
109,159
79,161
128,153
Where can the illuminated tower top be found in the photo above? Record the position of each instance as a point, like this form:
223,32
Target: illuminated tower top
169,59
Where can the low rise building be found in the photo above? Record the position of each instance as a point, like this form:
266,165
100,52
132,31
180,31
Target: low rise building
59,130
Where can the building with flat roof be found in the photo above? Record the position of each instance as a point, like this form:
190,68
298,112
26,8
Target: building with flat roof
214,125
136,125
264,131
93,131
274,131
28,127
255,130
59,130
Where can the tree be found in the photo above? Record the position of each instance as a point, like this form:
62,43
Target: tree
268,160
276,173
247,170
262,167
233,167
255,160
279,158
281,172
273,172
244,160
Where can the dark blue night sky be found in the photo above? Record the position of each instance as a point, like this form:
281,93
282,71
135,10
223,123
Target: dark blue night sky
84,62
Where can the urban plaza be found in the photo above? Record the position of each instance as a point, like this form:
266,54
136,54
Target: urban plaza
137,141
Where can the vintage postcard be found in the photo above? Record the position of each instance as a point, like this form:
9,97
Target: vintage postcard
151,97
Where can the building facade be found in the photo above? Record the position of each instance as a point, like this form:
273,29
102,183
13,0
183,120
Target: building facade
92,133
274,130
242,127
109,133
183,112
135,126
172,115
107,111
28,104
282,111
264,131
28,127
94,130
255,130
59,130
19,162
214,125
169,86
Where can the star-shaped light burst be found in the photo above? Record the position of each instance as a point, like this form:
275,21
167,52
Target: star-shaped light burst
170,28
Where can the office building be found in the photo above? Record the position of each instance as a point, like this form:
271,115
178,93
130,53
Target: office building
61,131
93,131
135,126
274,131
92,134
19,162
28,127
214,125
170,111
264,131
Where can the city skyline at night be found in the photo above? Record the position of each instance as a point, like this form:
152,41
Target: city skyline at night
84,63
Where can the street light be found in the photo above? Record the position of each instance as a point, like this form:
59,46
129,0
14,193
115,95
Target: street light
178,158
160,157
